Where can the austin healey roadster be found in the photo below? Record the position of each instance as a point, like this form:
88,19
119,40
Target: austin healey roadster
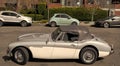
66,42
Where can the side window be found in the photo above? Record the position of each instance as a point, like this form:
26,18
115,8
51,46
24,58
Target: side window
57,16
64,16
5,13
71,36
60,37
13,14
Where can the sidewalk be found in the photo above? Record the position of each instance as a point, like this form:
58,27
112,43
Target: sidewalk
87,24
37,23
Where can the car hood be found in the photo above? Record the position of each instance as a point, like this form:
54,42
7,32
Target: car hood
34,37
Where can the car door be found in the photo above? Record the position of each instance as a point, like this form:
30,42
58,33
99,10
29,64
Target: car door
5,16
115,21
65,20
43,50
14,17
57,19
64,48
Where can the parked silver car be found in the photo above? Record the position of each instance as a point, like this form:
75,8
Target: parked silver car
66,42
109,21
13,17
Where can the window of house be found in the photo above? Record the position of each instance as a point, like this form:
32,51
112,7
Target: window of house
90,1
55,1
115,1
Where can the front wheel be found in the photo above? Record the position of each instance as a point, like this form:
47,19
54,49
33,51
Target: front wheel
88,55
106,25
1,23
23,23
53,24
74,23
20,55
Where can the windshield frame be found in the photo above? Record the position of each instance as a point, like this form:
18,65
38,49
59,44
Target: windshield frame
55,34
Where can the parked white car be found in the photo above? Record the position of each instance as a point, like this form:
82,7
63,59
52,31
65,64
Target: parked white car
66,42
13,17
62,19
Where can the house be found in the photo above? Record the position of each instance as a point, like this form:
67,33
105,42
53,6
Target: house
2,4
113,6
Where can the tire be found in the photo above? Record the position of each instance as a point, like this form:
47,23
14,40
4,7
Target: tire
53,24
88,55
20,56
23,24
1,23
74,23
106,25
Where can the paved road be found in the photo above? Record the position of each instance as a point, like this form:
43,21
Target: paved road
9,34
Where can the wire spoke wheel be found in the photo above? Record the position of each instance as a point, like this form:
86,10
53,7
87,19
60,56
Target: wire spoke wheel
88,55
20,55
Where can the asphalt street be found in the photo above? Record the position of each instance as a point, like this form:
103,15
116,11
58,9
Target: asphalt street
9,34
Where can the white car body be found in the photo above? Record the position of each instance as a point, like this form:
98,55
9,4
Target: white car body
44,46
13,17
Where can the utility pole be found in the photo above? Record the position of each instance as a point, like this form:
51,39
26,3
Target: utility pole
48,9
18,5
109,7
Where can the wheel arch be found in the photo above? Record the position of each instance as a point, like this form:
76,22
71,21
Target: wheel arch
91,47
1,19
30,53
54,22
23,21
74,22
106,22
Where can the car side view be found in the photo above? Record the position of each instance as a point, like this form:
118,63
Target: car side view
13,17
62,19
109,21
66,42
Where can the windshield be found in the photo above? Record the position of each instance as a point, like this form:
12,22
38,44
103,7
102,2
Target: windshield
55,34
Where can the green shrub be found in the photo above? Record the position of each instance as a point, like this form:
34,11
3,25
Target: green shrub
27,11
81,13
41,8
36,17
43,21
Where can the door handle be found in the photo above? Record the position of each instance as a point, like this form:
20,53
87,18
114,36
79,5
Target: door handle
74,45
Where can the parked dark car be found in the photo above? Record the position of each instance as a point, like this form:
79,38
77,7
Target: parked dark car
107,22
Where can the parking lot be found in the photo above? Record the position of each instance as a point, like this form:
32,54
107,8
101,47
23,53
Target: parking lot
9,34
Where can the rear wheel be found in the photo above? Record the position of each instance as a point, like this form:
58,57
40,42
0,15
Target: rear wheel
53,24
1,23
20,55
88,55
23,23
106,25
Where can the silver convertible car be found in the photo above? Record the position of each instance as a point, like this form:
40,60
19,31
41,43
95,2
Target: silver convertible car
66,42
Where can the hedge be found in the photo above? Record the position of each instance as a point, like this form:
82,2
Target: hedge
36,17
81,13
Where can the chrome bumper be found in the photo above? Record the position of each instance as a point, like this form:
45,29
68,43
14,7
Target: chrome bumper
112,50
